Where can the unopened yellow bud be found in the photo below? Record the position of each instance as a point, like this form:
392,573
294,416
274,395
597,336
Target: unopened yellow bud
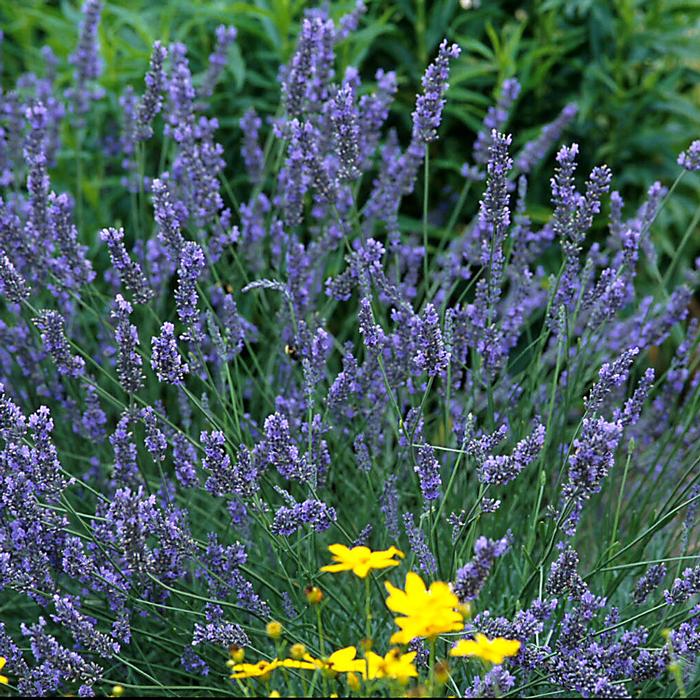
314,595
274,629
353,682
237,654
117,691
297,651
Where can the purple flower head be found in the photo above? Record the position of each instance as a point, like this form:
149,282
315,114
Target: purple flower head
252,153
373,112
348,23
282,453
184,460
13,286
419,546
371,333
220,633
169,233
502,469
611,375
129,271
429,105
307,77
431,356
165,357
152,100
225,36
536,150
51,326
470,579
495,119
82,628
389,505
156,442
346,126
316,514
129,361
86,60
428,470
564,577
191,264
648,583
690,158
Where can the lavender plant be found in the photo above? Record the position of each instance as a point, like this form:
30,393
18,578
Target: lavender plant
196,403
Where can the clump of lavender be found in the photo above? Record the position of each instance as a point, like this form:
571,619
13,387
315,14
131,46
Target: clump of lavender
318,373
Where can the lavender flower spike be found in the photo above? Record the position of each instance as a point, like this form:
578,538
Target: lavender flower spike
152,101
50,323
191,265
471,577
345,119
129,271
428,113
129,362
428,470
165,358
86,60
496,118
252,153
12,285
225,36
690,159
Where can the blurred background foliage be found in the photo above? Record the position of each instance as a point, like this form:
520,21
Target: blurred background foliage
632,67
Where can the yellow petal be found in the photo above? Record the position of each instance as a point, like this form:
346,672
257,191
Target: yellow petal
335,568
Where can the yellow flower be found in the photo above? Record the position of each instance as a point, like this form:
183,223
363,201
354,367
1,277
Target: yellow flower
274,694
3,679
493,650
273,629
393,665
258,670
117,691
342,661
427,612
361,560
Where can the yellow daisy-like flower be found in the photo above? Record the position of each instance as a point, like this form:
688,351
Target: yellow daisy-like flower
361,560
342,661
427,612
493,650
3,679
393,665
258,670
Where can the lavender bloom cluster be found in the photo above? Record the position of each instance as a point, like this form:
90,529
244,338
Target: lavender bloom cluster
263,358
